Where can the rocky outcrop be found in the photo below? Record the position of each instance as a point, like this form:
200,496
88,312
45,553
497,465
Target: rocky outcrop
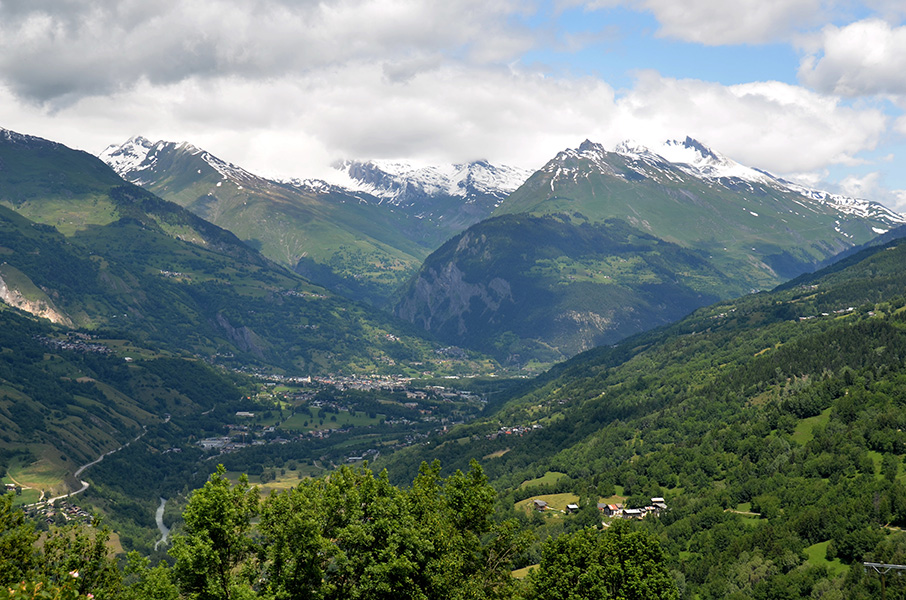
244,337
40,307
441,299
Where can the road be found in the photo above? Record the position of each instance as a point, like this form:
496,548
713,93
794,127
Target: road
85,484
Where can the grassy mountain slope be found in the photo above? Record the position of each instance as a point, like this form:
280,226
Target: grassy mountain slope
331,236
772,424
163,276
544,288
66,398
758,231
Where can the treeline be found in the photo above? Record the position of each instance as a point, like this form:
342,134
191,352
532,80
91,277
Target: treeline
350,535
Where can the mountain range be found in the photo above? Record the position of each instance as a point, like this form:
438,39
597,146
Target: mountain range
770,422
751,229
104,254
759,226
364,240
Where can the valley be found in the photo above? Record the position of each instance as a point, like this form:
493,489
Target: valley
558,376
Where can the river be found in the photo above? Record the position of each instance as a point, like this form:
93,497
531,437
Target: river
159,518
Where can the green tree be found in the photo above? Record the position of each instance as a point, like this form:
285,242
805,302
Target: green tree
17,538
80,550
618,564
144,582
210,555
294,554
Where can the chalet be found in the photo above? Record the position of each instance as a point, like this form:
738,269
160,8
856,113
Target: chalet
610,510
540,505
658,505
633,513
572,508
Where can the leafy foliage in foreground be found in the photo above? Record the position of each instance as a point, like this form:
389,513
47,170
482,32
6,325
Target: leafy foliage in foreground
351,535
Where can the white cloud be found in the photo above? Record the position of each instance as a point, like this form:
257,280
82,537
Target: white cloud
864,58
864,186
284,87
872,186
58,50
770,125
718,22
897,201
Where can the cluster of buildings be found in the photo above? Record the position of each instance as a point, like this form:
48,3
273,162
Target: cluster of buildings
61,510
75,342
614,511
657,506
517,430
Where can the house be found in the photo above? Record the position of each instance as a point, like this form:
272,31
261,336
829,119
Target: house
610,510
572,508
540,505
633,513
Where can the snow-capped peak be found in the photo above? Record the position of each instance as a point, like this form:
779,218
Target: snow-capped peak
394,180
694,158
697,160
127,157
138,154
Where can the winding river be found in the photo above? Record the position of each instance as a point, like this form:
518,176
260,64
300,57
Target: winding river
159,519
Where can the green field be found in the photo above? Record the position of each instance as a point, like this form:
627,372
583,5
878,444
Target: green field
817,555
549,478
342,418
803,432
555,502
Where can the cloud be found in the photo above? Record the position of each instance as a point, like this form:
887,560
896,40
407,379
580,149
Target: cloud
718,22
60,50
871,185
284,87
864,58
771,125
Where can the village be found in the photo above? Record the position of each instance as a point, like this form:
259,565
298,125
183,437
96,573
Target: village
298,409
58,512
613,511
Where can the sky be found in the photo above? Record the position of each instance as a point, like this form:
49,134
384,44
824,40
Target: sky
812,90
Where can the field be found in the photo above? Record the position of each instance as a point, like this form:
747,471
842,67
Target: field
549,478
523,572
817,556
556,502
42,474
803,432
323,420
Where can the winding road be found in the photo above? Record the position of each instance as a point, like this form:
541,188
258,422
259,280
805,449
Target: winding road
85,484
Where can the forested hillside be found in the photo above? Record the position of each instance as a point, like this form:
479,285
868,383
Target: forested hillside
772,425
102,253
527,288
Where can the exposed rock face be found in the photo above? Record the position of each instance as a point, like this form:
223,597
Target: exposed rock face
523,288
43,308
441,298
244,338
